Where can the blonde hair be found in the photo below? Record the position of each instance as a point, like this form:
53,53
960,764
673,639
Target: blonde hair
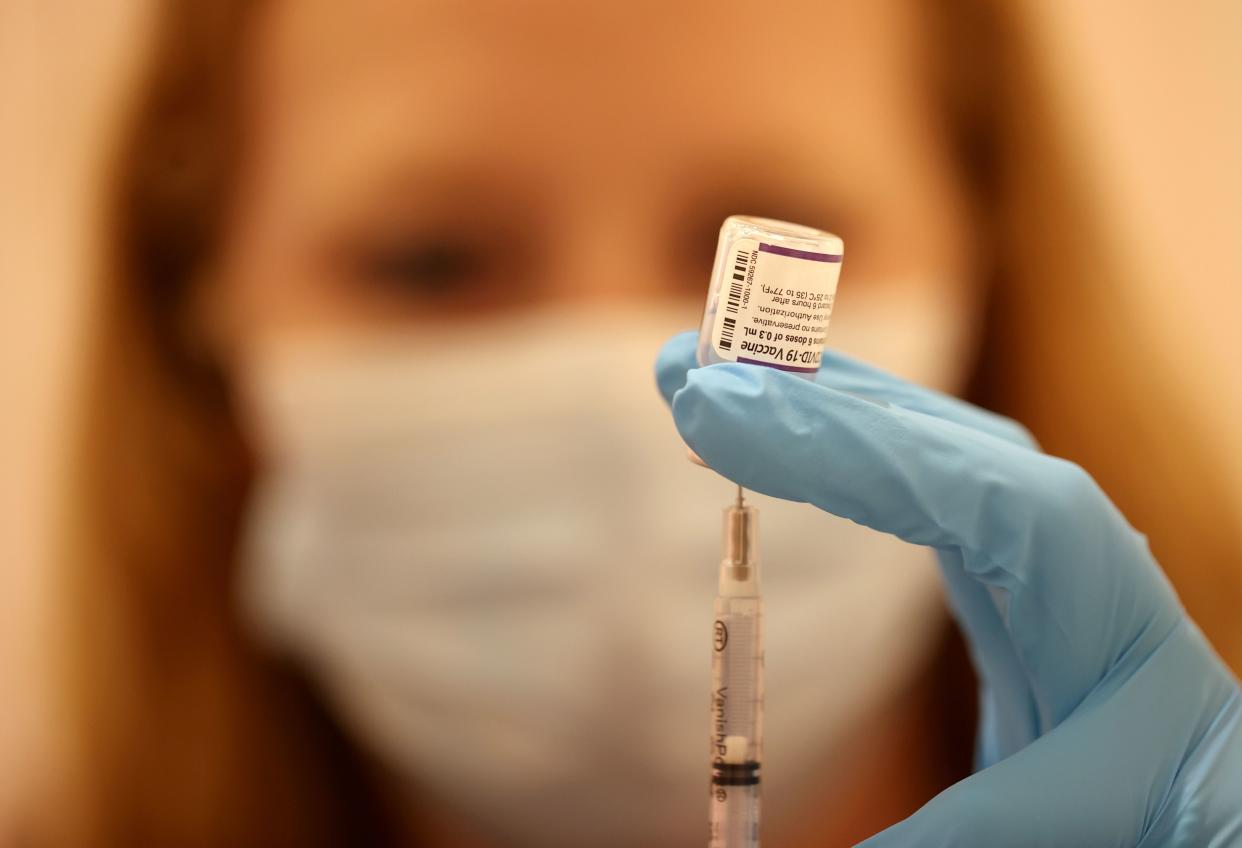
183,734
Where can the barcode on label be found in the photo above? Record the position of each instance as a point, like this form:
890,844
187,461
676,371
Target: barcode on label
734,302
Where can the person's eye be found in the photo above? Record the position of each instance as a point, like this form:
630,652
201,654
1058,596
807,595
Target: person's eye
437,269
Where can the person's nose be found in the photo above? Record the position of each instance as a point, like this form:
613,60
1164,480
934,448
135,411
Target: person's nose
606,260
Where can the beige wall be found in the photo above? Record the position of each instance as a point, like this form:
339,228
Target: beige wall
1153,97
62,70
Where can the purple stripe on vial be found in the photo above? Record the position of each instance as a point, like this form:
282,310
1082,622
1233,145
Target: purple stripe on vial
764,247
777,365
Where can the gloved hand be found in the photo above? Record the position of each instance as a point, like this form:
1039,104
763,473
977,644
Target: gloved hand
1106,718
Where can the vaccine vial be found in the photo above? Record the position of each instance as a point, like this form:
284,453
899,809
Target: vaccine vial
771,295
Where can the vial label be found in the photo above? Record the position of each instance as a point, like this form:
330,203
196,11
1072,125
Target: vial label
774,306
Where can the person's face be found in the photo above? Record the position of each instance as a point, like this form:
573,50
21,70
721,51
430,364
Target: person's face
415,162
418,164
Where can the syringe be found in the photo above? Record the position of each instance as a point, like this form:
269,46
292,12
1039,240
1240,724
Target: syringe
737,685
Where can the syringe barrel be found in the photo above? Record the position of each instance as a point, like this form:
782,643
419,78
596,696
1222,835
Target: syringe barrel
736,721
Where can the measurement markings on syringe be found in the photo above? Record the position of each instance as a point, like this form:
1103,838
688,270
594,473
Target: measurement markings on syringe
740,263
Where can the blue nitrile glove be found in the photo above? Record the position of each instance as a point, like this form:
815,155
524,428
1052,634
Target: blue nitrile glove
1106,718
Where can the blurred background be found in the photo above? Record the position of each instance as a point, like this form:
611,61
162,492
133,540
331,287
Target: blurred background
1091,234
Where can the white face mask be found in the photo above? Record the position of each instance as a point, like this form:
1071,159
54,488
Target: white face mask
488,547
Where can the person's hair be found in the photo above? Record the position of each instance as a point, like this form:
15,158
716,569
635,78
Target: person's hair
181,733
178,731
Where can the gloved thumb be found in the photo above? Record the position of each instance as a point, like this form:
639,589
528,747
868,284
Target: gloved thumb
1066,788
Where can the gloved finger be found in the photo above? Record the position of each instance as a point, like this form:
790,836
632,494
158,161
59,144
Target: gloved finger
846,374
675,358
1009,719
1008,714
1074,584
1041,797
1106,776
